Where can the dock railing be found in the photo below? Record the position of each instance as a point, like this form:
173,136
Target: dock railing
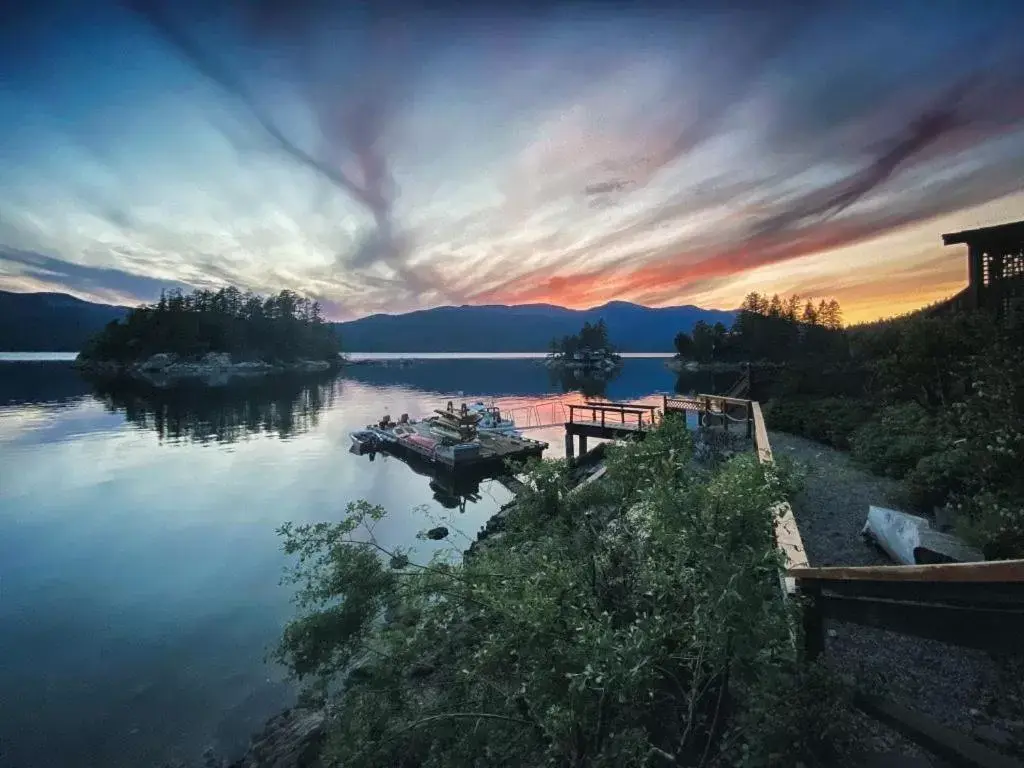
614,415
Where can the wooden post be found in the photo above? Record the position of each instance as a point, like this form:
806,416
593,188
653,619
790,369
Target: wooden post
569,446
814,625
602,418
750,421
976,274
583,445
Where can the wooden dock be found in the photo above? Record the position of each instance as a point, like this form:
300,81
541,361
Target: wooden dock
607,421
495,451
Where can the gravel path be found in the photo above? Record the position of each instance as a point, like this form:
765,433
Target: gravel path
961,688
833,506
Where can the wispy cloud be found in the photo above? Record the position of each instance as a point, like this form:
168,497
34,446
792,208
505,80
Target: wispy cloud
572,154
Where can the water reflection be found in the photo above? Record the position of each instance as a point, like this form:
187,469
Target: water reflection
705,382
449,489
40,382
281,406
140,564
588,384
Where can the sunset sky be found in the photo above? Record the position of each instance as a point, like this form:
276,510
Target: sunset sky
388,158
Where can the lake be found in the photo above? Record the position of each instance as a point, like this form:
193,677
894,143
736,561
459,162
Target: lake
139,564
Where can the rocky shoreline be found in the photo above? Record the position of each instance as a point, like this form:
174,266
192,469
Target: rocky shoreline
595,362
213,368
677,365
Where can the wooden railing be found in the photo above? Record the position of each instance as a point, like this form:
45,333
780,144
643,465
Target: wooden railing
708,407
604,414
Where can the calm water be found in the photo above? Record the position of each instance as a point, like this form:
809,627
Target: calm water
139,566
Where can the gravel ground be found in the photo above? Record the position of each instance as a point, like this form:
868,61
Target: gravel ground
964,689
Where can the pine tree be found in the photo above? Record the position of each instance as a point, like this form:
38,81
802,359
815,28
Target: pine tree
810,315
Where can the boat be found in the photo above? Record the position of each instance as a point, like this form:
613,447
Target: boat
492,420
365,439
454,426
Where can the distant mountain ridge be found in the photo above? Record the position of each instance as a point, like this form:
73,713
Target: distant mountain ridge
50,322
58,322
521,328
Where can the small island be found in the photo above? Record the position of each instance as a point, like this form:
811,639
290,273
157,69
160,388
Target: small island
589,352
214,336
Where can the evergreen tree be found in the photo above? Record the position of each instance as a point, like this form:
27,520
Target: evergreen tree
285,327
810,314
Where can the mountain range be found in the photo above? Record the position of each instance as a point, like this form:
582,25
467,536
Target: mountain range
521,328
49,322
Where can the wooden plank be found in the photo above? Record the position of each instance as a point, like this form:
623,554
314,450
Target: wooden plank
761,444
984,628
988,594
946,743
610,426
787,538
993,570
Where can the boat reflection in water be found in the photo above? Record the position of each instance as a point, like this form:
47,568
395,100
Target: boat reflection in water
456,448
452,490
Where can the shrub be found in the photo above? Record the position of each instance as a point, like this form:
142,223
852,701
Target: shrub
994,522
937,477
630,620
830,420
894,441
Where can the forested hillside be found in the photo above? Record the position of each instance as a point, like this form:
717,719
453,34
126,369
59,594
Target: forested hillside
50,322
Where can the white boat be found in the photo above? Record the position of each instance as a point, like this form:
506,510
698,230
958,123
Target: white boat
492,420
365,439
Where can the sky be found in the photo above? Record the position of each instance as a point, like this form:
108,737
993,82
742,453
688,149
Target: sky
392,156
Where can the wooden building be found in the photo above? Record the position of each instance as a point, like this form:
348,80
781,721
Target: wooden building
995,270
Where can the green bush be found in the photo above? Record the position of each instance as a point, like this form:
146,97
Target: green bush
937,477
994,522
830,420
896,439
635,621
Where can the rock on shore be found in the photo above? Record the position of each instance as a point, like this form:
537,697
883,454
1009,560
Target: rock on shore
601,360
213,368
292,739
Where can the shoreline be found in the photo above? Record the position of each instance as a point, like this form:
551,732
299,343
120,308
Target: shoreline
214,368
294,736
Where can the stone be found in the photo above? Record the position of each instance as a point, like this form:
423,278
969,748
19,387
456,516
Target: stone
293,739
216,360
159,362
938,547
910,539
437,533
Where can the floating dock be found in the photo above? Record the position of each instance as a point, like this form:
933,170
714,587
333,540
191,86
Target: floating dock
488,452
